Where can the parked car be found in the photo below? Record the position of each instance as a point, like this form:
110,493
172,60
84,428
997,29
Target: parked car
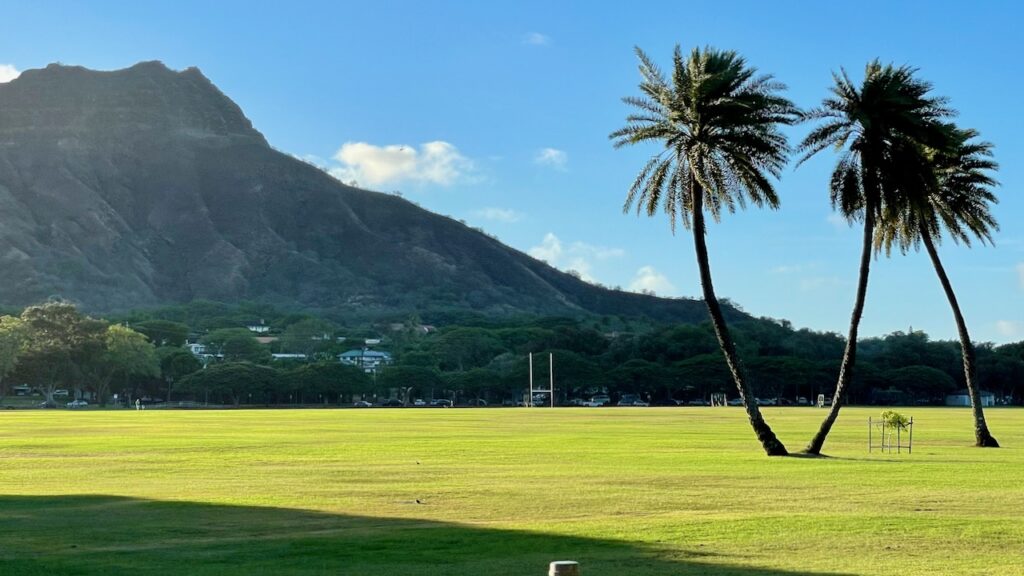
598,400
735,402
392,403
419,402
362,404
77,404
697,402
632,400
441,403
478,402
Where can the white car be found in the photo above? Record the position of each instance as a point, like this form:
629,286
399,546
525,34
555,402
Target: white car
77,404
597,401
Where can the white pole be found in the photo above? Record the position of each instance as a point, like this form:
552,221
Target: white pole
529,402
551,374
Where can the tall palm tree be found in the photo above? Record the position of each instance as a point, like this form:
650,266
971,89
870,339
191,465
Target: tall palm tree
718,122
956,196
877,128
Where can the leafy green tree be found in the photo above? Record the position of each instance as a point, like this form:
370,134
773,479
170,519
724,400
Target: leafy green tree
464,348
236,345
879,129
163,332
472,383
307,336
126,353
328,380
719,124
12,342
175,364
409,379
956,196
234,381
58,338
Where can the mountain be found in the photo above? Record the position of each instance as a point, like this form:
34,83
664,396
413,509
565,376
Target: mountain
147,186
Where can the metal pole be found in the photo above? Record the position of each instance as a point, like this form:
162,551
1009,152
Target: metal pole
869,434
910,446
551,373
529,402
899,442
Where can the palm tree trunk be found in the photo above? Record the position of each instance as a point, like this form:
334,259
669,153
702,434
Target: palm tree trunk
982,437
772,446
850,353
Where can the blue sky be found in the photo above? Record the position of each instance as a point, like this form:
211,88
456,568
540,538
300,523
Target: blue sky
498,113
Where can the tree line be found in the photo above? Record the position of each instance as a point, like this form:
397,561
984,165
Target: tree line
142,355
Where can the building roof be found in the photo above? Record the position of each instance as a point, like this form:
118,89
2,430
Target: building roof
364,354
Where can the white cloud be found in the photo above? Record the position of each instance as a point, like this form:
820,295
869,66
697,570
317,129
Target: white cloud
1009,328
1020,274
536,39
648,279
578,256
506,215
8,73
549,249
370,165
837,221
552,157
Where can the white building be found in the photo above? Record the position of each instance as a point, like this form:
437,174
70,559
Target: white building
369,360
962,398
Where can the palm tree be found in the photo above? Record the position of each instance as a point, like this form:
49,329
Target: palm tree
719,124
956,197
877,128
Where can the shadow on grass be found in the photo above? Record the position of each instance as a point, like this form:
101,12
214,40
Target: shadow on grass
83,535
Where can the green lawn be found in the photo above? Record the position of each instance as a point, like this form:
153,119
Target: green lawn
501,491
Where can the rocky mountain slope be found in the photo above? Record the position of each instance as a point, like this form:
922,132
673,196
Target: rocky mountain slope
146,186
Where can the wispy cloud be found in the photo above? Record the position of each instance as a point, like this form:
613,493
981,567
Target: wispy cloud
649,280
8,72
837,221
788,269
506,215
552,157
1009,328
435,162
577,256
811,283
536,39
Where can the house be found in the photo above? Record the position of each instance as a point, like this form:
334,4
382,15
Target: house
962,398
288,356
369,360
258,327
201,352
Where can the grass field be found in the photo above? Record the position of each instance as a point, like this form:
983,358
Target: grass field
501,491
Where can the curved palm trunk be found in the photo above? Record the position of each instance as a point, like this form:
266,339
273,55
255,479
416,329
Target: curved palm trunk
850,353
982,437
772,446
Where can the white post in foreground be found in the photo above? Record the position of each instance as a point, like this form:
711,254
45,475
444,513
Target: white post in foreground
564,568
